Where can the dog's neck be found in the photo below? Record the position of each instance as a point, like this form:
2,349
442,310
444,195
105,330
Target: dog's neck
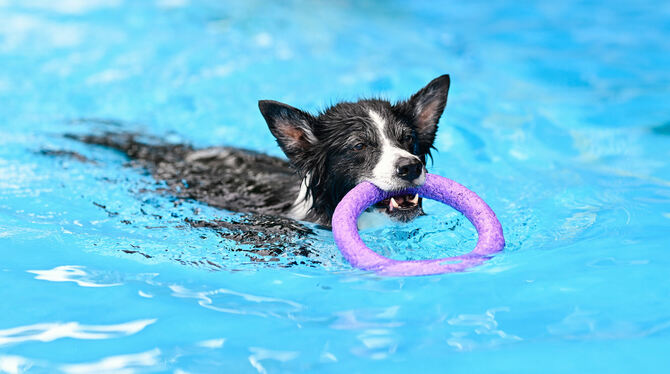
316,200
304,202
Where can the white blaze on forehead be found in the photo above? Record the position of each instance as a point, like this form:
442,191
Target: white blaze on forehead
379,122
383,174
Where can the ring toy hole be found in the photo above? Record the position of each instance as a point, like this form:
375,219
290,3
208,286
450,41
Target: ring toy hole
345,230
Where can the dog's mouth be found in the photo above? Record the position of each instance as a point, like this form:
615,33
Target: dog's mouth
401,207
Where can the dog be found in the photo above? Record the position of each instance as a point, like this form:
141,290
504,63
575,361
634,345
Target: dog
351,142
327,155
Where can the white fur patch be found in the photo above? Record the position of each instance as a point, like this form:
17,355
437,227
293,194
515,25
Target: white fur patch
384,173
309,135
301,205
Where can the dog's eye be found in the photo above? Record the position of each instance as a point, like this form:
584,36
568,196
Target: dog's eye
359,147
407,138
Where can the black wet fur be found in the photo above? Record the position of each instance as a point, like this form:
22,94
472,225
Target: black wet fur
229,178
259,230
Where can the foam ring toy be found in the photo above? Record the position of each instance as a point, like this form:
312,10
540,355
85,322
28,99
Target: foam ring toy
345,230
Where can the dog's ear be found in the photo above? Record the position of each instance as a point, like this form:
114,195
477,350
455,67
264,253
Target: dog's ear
425,109
290,126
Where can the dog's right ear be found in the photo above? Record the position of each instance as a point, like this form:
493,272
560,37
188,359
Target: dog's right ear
290,126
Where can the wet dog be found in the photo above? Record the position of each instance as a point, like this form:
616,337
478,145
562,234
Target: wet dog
351,142
328,154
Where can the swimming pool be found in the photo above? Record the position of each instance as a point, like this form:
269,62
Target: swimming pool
557,117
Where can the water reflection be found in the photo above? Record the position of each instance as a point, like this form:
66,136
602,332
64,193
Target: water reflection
228,301
479,330
122,364
262,354
70,273
14,364
46,332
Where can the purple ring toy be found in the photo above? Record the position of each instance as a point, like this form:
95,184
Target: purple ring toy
345,229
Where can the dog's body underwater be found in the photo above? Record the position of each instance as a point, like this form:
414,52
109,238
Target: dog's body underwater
328,154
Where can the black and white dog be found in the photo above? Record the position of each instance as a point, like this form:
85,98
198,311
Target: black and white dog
328,154
369,140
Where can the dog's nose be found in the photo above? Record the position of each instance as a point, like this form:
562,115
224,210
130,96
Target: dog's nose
409,169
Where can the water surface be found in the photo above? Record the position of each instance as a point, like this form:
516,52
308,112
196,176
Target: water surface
557,117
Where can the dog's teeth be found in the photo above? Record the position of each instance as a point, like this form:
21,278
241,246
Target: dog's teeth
415,200
393,204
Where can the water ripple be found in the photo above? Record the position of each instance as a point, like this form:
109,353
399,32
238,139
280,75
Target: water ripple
260,354
47,332
591,325
359,319
485,325
212,343
122,364
14,364
378,344
69,273
228,301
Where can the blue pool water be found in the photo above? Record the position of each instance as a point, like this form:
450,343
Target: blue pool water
558,117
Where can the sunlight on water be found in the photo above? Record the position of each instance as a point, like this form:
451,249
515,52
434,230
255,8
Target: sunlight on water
52,331
118,364
68,274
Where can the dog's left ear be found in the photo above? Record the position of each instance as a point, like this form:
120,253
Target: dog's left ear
425,109
291,127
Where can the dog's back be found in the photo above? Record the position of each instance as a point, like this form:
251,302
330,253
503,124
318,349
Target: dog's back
234,179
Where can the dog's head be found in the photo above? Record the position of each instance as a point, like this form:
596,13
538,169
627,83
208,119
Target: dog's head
368,140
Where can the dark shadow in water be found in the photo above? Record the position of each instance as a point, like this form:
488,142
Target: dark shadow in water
663,129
